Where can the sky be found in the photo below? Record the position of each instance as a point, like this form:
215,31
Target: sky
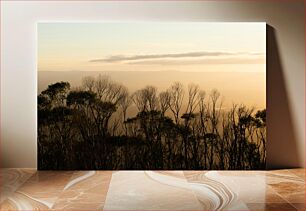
230,57
152,46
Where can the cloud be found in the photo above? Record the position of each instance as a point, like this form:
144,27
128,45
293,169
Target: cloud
208,61
122,58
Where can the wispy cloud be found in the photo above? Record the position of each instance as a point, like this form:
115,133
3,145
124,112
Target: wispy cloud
207,61
123,58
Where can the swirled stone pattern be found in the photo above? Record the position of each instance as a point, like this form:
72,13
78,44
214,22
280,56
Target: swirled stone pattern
28,189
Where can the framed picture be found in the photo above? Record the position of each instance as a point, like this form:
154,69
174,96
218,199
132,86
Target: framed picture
151,95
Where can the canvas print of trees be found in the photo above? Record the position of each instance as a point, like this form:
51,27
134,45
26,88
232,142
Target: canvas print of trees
151,95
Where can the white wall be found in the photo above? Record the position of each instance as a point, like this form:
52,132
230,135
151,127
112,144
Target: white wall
286,80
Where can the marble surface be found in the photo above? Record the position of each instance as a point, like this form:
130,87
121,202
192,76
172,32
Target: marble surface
28,189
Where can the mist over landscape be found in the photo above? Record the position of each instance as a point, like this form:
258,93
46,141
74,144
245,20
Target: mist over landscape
248,88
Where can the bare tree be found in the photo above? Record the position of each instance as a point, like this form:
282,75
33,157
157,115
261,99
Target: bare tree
202,106
202,122
125,103
151,95
115,92
215,109
193,100
214,117
107,90
164,101
177,95
88,83
139,100
101,85
146,99
192,104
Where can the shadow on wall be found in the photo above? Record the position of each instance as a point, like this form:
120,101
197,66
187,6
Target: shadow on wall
281,140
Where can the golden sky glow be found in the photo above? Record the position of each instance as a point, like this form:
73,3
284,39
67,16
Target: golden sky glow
230,57
151,46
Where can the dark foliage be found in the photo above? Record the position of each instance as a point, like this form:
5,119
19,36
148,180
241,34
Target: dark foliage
88,128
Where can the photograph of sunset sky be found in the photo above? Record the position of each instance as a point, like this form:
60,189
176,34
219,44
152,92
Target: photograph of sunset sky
151,96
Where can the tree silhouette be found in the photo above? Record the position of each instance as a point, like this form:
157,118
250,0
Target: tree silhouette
177,95
90,127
